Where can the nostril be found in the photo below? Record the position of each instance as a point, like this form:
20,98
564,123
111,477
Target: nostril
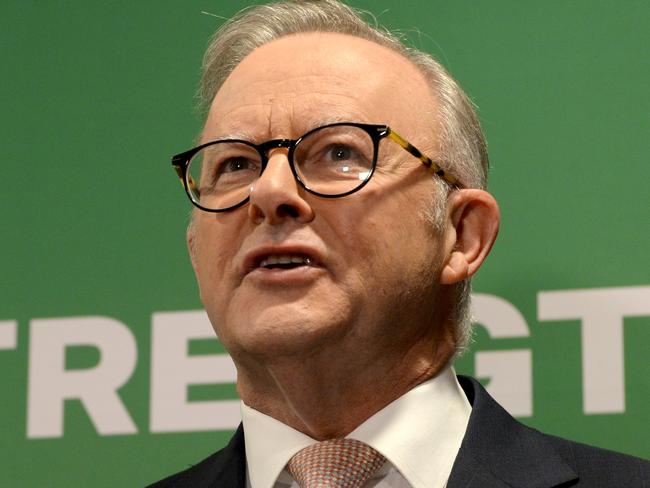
286,210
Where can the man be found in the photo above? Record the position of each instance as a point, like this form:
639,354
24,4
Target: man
340,214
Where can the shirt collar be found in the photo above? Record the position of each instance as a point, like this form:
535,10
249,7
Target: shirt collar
419,433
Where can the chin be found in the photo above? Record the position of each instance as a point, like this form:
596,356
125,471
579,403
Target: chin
283,331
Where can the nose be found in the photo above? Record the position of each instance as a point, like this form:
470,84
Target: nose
276,195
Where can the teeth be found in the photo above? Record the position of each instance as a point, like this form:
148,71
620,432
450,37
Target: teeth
284,259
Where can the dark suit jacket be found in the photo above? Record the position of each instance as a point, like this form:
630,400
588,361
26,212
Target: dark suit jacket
497,452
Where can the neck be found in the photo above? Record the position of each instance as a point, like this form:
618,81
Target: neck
325,398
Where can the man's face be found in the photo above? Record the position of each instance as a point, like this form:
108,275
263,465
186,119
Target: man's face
375,260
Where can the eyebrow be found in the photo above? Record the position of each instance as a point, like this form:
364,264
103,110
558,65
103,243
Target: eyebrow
308,124
333,119
241,134
312,123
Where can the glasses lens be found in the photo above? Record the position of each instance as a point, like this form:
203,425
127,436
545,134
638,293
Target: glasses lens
220,175
335,160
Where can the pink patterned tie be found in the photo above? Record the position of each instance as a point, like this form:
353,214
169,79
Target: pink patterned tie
335,463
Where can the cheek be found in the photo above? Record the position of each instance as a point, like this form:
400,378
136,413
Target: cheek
212,257
388,237
212,265
369,245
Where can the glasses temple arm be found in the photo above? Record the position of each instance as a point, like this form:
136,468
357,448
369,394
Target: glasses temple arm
428,162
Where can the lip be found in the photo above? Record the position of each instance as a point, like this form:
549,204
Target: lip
280,279
252,258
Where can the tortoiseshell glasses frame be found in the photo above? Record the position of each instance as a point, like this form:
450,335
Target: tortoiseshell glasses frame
181,163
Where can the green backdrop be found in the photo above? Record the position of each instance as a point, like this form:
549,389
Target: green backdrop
96,97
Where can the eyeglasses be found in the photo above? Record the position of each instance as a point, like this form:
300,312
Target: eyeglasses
331,161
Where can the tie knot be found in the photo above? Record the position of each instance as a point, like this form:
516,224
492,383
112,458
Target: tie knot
335,463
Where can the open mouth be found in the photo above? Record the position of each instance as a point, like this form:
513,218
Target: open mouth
284,261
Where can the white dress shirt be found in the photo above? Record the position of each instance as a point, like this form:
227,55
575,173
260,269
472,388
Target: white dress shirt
419,434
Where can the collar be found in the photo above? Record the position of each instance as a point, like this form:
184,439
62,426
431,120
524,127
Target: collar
419,433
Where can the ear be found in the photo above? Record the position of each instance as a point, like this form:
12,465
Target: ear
472,227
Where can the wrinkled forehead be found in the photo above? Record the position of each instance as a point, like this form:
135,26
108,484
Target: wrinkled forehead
301,81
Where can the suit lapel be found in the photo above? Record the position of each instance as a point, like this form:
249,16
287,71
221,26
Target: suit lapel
498,451
230,467
474,475
225,468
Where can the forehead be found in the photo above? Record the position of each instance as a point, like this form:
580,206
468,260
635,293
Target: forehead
298,82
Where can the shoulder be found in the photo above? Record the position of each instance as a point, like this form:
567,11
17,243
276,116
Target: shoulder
502,449
226,467
601,467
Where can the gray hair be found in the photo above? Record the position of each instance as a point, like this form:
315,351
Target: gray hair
462,150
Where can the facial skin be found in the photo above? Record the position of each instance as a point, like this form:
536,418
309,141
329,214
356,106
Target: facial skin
367,320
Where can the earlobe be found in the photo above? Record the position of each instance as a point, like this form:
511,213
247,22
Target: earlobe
456,269
472,229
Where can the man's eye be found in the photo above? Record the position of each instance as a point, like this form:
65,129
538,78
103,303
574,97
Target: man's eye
232,165
340,153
